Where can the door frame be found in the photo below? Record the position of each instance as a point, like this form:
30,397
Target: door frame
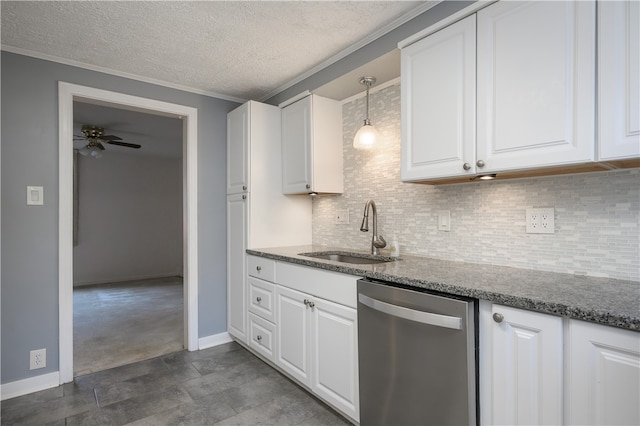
67,93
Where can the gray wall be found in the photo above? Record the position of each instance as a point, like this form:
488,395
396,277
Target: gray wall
29,234
129,218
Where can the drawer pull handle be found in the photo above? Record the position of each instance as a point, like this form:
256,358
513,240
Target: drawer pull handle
258,299
258,268
259,338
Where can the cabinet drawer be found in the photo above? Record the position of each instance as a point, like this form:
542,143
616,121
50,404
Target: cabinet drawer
333,286
261,298
262,268
262,336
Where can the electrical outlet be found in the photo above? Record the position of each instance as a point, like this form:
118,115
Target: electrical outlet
341,217
541,221
37,359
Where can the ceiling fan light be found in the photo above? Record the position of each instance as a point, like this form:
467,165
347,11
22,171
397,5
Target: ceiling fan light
96,154
366,137
84,151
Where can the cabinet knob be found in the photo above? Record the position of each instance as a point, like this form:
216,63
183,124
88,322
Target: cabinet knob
244,197
306,302
498,317
259,338
308,186
258,299
466,166
244,187
312,305
258,268
480,163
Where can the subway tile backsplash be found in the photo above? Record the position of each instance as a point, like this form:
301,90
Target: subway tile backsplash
596,214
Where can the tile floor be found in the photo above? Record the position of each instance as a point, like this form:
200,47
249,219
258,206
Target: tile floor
223,385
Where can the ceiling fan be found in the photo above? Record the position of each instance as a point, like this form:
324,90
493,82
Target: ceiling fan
95,138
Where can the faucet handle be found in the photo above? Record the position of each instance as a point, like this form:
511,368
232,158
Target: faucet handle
379,242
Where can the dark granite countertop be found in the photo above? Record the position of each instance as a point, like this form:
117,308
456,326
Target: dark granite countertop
601,300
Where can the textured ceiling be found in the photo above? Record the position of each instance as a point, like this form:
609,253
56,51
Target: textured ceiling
237,49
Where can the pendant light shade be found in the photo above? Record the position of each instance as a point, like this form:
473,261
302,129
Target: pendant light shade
367,136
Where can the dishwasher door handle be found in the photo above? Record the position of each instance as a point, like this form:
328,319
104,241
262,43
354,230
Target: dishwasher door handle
411,314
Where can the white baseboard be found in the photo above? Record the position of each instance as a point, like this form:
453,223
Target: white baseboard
214,340
30,385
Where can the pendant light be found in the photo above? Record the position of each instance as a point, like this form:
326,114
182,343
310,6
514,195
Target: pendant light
367,136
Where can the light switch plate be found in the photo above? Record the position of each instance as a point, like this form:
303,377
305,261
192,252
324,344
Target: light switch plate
35,196
341,217
444,220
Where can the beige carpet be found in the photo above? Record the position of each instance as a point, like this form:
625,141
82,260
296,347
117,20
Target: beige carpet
121,323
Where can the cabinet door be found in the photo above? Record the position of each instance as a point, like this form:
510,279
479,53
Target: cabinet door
292,325
261,336
536,79
438,104
236,265
296,147
237,150
618,80
604,375
527,368
334,353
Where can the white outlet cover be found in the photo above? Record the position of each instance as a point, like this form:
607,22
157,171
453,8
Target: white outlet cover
37,359
540,220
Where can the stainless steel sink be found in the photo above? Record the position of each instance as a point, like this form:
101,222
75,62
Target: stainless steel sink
354,258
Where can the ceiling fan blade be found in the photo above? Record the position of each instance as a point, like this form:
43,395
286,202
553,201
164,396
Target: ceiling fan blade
128,145
110,137
100,146
79,139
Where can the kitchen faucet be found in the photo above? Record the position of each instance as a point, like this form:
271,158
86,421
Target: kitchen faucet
377,242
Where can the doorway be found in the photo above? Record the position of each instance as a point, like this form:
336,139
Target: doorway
67,94
127,249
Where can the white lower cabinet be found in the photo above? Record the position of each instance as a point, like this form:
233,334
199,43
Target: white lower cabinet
538,368
293,333
318,345
262,336
526,355
604,375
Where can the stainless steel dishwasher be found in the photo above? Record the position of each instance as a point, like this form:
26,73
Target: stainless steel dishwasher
417,356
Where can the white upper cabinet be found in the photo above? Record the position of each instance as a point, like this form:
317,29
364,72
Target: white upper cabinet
618,80
438,104
536,79
238,150
508,89
312,146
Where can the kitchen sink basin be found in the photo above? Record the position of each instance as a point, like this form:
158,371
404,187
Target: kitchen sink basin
354,258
